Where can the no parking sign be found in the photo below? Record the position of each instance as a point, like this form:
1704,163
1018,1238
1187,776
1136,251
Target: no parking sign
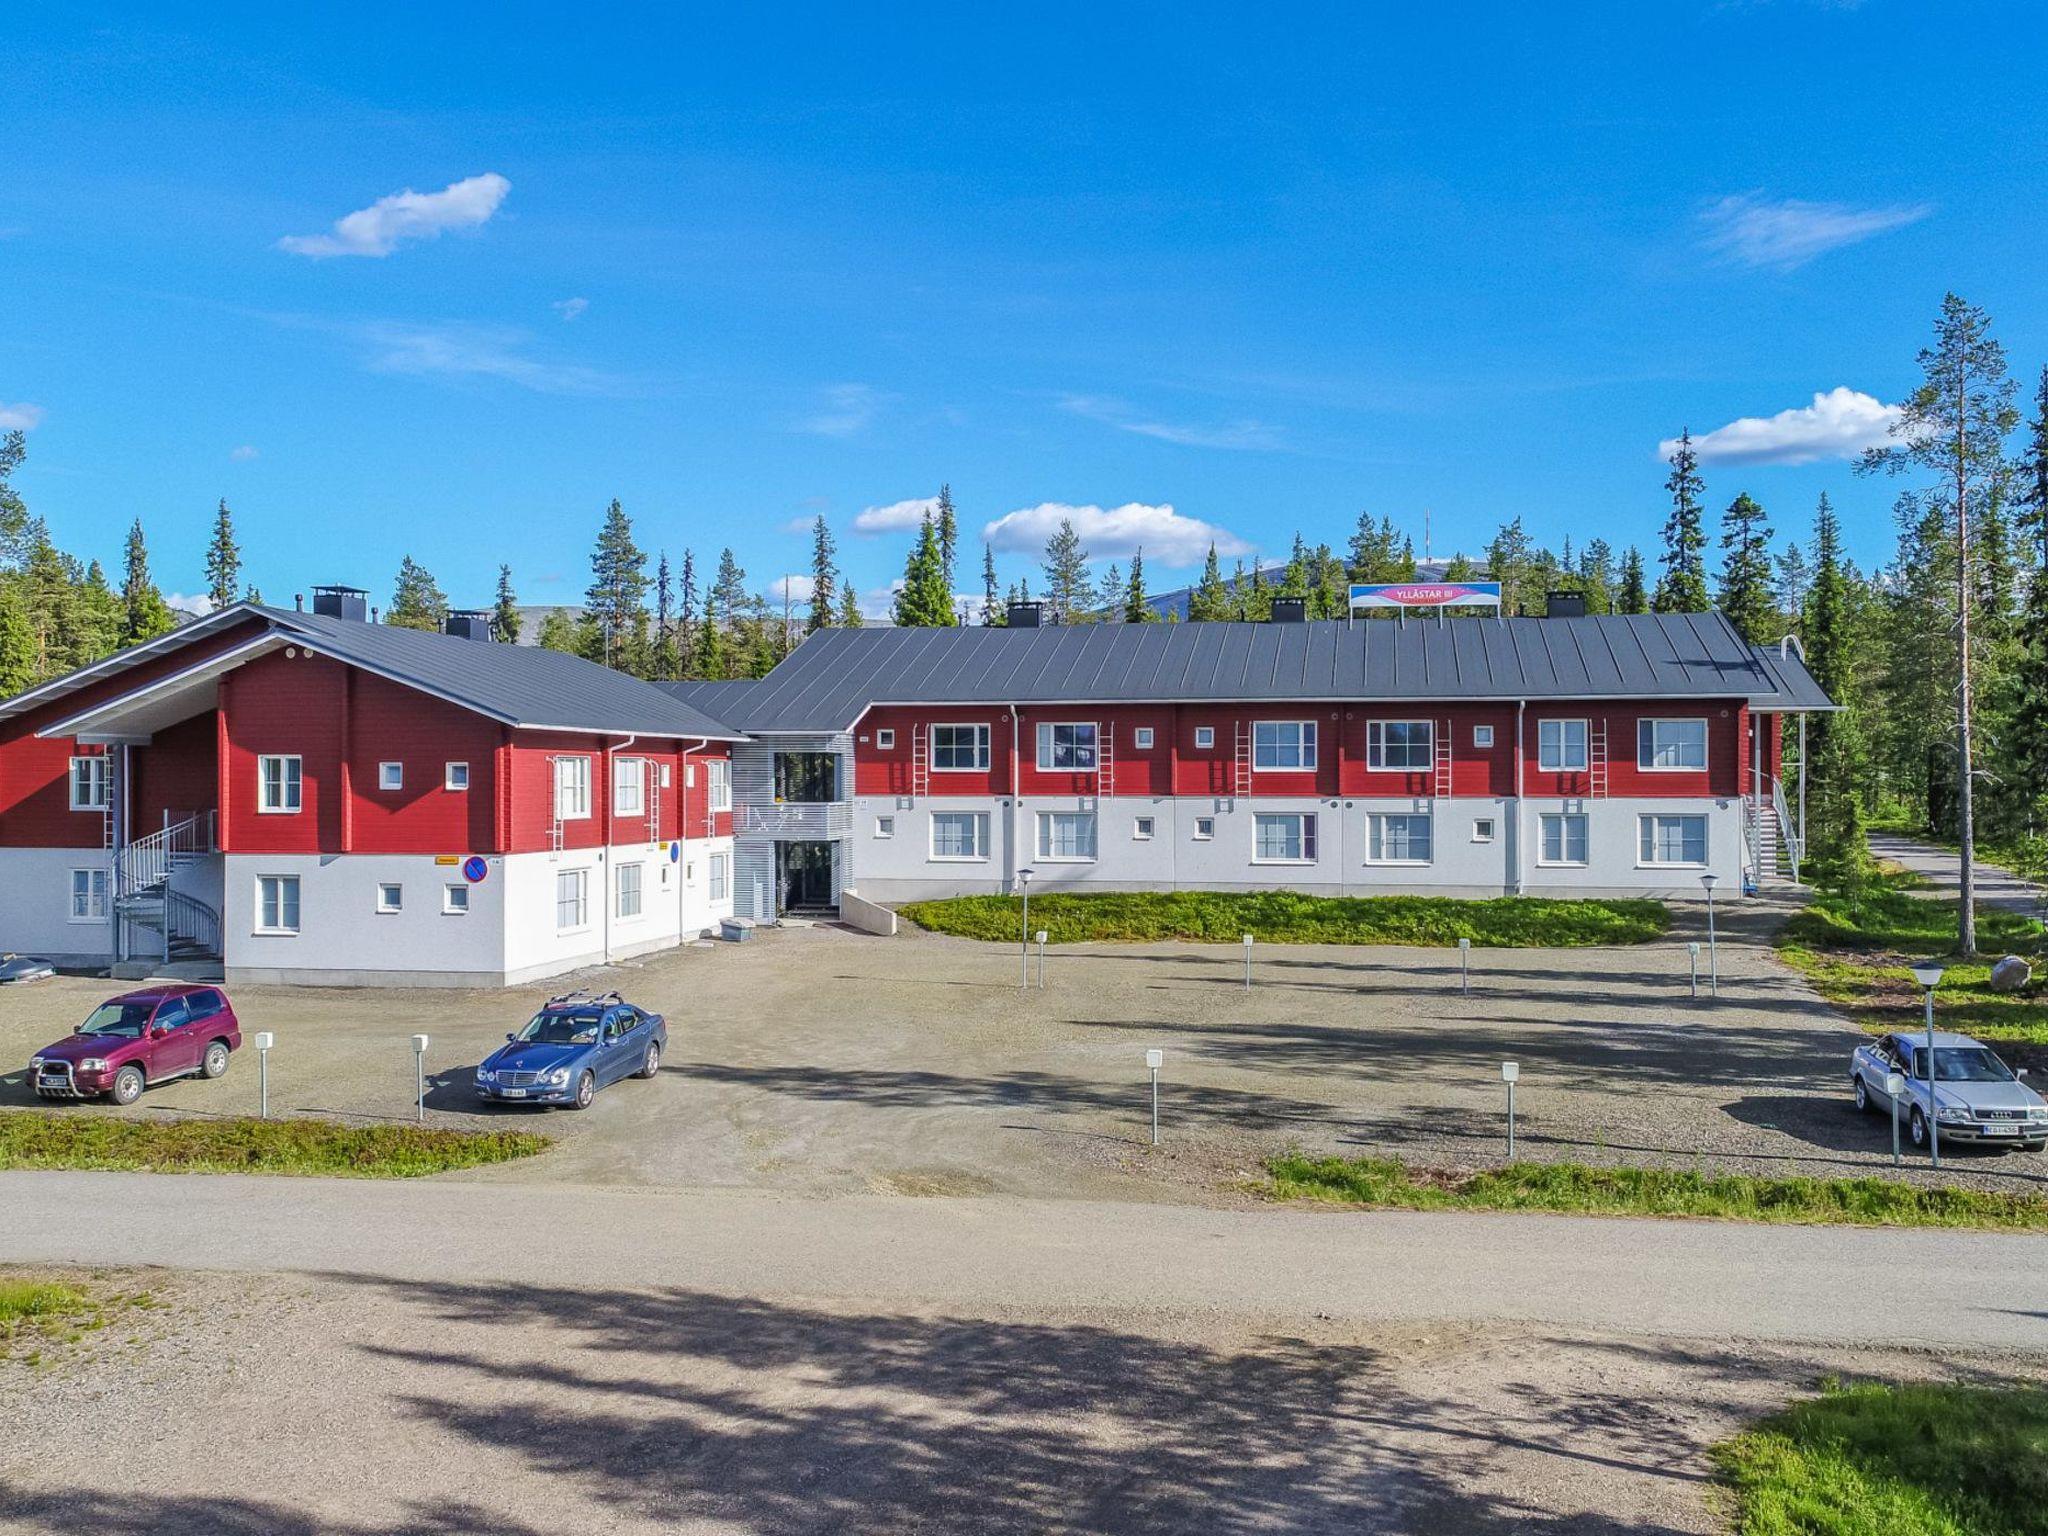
474,869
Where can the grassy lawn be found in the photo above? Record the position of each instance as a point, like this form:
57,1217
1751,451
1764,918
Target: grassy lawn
1284,917
1896,1460
1387,1183
29,1139
1856,950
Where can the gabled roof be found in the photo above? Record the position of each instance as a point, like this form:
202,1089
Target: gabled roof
835,674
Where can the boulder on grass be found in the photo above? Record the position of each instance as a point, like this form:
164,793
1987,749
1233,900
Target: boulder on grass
2010,974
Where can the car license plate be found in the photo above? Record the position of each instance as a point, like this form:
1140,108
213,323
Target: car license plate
2001,1130
513,1093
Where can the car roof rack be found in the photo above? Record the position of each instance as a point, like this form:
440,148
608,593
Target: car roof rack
568,999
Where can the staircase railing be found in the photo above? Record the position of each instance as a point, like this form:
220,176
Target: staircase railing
148,861
187,918
1788,834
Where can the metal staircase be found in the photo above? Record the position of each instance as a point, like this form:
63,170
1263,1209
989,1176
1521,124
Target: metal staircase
185,928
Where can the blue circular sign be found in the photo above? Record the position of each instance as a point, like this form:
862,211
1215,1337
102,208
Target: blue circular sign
675,852
474,869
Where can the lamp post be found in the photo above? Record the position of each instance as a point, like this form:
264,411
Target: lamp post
1154,1060
1713,946
1509,1072
1464,967
1024,885
265,1039
1928,974
1041,959
419,1074
1247,962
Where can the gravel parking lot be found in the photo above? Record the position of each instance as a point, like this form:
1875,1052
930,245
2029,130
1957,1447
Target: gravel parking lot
824,1060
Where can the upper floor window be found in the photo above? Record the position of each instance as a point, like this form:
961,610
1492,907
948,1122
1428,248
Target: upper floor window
801,778
1561,745
572,788
280,783
92,783
1399,744
1141,737
391,775
1664,745
1070,747
720,771
455,776
959,748
629,786
1482,735
885,740
1284,744
1205,737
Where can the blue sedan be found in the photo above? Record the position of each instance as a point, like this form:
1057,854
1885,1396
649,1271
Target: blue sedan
575,1045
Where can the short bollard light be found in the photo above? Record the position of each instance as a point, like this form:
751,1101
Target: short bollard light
1041,959
1154,1060
264,1041
1894,1085
1464,967
1693,950
1713,941
1509,1072
1247,962
419,1073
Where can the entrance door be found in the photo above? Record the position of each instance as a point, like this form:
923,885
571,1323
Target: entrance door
803,877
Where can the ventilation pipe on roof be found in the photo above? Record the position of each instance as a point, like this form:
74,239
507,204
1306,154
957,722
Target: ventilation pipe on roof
1564,605
1025,615
468,624
342,603
1290,610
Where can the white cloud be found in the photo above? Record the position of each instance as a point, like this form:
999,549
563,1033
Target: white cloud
23,417
848,408
1754,231
896,516
796,588
1840,424
243,454
1168,538
476,351
198,603
569,309
1229,434
408,215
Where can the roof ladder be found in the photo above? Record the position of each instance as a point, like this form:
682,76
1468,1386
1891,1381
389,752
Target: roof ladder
1241,764
1442,785
920,761
1597,759
1105,760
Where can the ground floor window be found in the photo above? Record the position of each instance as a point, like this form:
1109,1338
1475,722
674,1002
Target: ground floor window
88,895
1285,837
277,903
959,835
1141,829
1066,835
572,899
718,864
1482,830
455,900
1673,839
390,897
885,826
1398,837
1205,828
1563,837
630,885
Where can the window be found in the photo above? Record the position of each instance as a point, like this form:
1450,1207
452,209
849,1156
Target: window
959,835
802,778
572,788
455,776
391,775
1283,838
88,895
1070,747
1673,839
572,899
1561,745
1482,830
1482,735
1399,744
885,741
203,1005
629,786
455,900
390,898
92,783
1561,838
1066,835
721,784
718,868
1398,837
959,748
885,826
277,902
630,881
1141,829
1667,745
1205,828
1284,744
1141,737
1205,737
279,785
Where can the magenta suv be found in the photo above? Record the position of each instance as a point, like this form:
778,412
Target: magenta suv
137,1039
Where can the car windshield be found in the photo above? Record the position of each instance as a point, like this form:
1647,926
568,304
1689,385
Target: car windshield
127,1020
547,1028
1962,1064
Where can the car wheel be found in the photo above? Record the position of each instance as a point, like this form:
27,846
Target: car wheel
1916,1129
1862,1094
586,1090
215,1062
127,1085
653,1060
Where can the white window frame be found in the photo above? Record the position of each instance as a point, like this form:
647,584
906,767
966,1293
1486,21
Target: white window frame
455,899
885,740
1205,829
720,780
455,776
96,779
1141,738
291,784
1647,749
1045,840
639,884
395,901
93,891
1375,837
1482,736
1304,745
721,882
1559,761
1564,860
390,776
885,826
1048,746
1305,833
1142,828
580,922
1376,747
1205,738
629,773
298,894
1645,822
979,821
1489,825
572,789
978,746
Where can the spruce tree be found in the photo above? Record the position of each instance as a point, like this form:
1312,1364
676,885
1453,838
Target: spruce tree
1794,577
13,510
1109,597
1634,596
925,599
991,606
223,559
1067,586
145,614
417,602
1378,553
1137,607
711,662
1210,600
948,526
1834,744
505,610
850,616
98,615
1512,563
557,632
1683,586
1747,596
2027,759
728,597
824,579
665,660
17,643
686,614
615,602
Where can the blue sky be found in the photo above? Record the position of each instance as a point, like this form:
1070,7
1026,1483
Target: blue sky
1206,272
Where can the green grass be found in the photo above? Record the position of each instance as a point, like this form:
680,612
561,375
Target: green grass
1387,1183
1285,917
29,1139
1896,1460
21,1300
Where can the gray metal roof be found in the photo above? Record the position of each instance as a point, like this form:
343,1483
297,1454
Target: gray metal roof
835,674
1796,688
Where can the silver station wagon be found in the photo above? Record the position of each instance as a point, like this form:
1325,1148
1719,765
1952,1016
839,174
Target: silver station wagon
1977,1097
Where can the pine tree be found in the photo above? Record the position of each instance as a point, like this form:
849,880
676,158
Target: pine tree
1067,587
1747,598
615,602
991,607
1795,576
17,643
1109,597
1511,562
49,581
1834,745
1210,600
948,524
13,510
145,614
417,602
223,559
686,615
2027,755
557,632
925,599
1634,596
1137,607
1378,553
1683,586
505,610
98,615
824,579
850,616
728,596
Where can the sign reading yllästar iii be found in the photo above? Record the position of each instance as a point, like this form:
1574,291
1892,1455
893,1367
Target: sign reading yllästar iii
1428,594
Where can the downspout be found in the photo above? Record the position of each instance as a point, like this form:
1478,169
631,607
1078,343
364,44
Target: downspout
605,853
1015,858
1521,712
683,825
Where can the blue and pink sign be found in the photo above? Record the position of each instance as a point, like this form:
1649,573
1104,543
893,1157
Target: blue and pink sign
474,869
1427,594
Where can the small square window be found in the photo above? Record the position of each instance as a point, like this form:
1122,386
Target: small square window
1205,737
1141,829
885,826
455,776
885,741
1205,828
391,775
1482,735
455,900
1482,830
1141,737
390,897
